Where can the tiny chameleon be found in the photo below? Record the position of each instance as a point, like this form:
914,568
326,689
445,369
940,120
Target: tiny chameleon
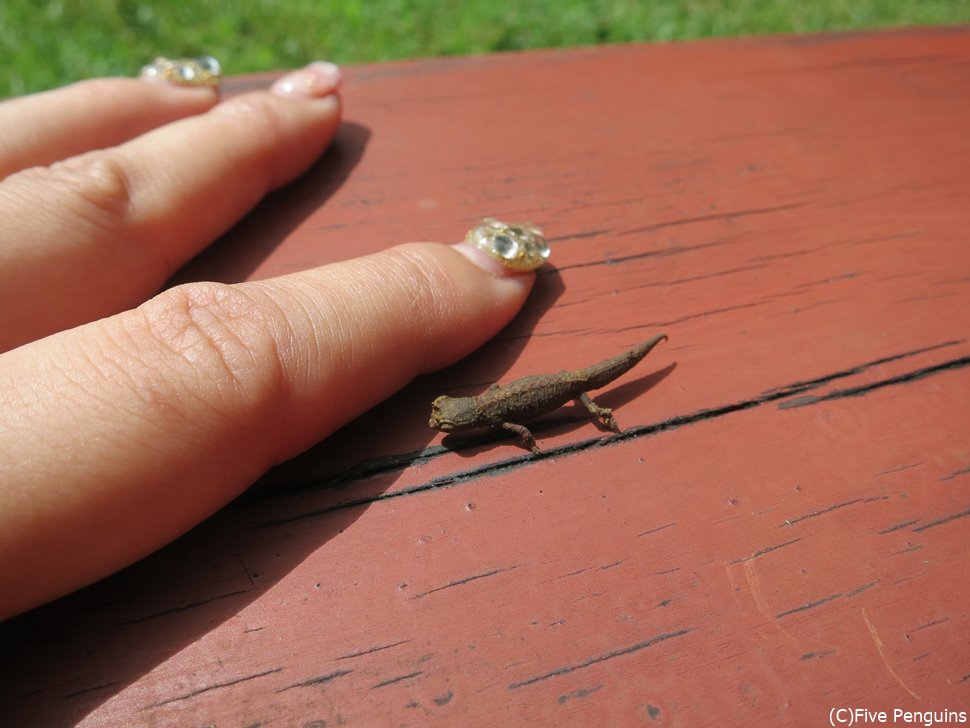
506,406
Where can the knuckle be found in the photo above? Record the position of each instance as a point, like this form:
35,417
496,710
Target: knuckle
221,338
98,183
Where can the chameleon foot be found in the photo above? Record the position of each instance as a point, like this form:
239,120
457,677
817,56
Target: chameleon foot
605,414
525,437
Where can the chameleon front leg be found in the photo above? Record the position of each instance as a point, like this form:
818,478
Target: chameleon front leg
522,433
603,413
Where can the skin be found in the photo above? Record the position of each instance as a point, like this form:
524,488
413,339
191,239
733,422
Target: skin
507,406
128,415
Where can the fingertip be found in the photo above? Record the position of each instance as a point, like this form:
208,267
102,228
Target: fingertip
277,138
469,297
504,291
316,80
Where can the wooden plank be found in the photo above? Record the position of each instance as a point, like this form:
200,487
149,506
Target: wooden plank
780,530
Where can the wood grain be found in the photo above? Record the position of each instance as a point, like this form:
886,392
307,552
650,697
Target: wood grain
782,527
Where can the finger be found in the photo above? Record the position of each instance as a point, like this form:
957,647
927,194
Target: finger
101,232
117,436
43,128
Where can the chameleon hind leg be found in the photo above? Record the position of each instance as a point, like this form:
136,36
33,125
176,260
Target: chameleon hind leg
523,434
605,414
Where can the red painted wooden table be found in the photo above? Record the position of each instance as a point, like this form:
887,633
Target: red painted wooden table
781,530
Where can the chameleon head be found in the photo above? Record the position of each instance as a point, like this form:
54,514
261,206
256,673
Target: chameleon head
452,413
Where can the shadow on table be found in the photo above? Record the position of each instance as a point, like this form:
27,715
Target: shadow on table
238,253
67,659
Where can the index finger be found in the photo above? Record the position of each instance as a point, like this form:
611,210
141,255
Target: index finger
117,436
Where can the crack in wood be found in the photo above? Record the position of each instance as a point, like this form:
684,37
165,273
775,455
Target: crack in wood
731,215
864,63
807,384
941,521
825,600
908,578
217,686
465,580
917,547
92,689
898,469
691,317
897,527
927,626
765,550
872,386
183,607
575,573
816,655
864,587
655,253
835,507
839,243
581,693
832,279
601,658
659,528
372,650
397,679
580,236
810,605
314,681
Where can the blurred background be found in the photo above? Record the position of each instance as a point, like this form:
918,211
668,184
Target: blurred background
47,43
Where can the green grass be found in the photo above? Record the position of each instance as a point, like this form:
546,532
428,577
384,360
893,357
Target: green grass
47,43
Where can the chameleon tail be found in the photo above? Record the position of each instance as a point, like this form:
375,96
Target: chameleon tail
601,374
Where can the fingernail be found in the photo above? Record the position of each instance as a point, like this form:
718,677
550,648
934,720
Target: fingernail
505,248
190,73
487,263
315,81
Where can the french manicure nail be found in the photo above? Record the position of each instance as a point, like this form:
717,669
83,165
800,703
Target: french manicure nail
486,262
315,81
519,247
201,72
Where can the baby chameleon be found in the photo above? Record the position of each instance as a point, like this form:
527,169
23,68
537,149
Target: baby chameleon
508,405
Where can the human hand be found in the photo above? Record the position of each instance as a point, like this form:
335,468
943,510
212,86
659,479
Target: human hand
122,427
